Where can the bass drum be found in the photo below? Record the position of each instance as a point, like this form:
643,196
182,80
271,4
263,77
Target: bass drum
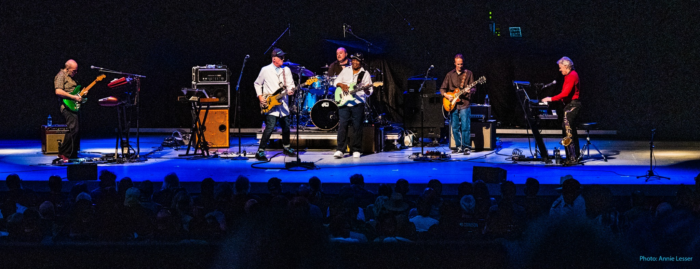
324,114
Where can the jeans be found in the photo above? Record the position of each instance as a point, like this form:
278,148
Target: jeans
71,142
346,114
270,122
461,127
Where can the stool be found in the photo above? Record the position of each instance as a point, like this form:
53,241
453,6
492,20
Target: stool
587,147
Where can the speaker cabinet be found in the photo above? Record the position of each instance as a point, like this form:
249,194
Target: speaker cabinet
216,128
52,137
483,135
371,138
432,112
221,90
83,171
489,174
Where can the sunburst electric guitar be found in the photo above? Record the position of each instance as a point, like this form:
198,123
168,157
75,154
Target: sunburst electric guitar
450,105
73,105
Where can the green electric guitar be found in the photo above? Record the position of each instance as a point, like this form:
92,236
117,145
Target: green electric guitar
343,98
73,105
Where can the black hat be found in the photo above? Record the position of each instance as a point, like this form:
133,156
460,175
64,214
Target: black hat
358,56
277,53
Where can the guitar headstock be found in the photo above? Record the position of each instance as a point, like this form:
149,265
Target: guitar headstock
100,77
378,84
481,80
310,81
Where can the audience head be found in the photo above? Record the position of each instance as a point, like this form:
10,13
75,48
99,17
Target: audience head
125,184
685,198
107,179
481,191
357,179
570,189
401,186
223,193
182,201
55,183
132,197
429,196
274,186
13,182
637,198
384,190
423,208
435,185
83,196
532,187
663,209
251,206
171,181
465,188
207,186
508,191
242,185
303,191
77,188
146,188
47,210
315,184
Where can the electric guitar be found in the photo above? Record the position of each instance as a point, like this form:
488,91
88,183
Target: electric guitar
343,98
450,105
73,105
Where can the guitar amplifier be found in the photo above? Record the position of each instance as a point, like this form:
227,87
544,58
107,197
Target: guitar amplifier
480,112
483,136
210,73
52,137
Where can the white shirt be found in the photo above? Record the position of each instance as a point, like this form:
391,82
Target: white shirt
562,209
347,77
268,82
423,223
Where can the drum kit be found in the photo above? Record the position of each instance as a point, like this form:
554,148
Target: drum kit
315,99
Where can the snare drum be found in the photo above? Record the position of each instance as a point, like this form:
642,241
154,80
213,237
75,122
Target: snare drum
324,114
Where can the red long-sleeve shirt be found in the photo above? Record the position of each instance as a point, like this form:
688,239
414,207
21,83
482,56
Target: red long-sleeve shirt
569,91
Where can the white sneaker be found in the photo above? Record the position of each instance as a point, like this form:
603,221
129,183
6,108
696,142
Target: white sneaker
356,154
338,154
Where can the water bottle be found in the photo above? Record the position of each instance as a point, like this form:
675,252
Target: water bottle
49,122
486,100
557,156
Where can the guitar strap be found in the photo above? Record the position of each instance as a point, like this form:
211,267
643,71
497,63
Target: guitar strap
360,77
464,79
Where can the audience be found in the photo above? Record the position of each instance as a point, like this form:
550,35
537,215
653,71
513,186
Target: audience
570,203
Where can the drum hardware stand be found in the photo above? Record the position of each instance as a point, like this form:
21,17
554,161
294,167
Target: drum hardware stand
650,174
238,112
126,130
273,43
422,157
298,165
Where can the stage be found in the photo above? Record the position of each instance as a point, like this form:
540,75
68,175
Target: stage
680,161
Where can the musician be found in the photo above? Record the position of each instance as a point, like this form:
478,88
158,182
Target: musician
460,118
271,78
64,85
570,96
352,112
341,63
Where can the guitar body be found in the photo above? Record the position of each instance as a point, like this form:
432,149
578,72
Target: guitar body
344,98
71,104
271,101
75,106
448,105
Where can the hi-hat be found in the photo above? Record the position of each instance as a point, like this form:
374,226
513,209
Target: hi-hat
302,72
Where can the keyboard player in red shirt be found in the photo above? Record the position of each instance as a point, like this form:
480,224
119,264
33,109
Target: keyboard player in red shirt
570,96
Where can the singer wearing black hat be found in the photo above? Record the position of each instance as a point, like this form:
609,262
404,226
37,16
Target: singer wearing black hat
460,118
273,78
352,106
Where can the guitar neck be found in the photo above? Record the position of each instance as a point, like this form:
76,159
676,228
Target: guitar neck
86,89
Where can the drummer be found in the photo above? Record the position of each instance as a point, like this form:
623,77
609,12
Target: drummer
342,62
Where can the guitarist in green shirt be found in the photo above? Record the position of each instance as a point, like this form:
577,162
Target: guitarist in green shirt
64,85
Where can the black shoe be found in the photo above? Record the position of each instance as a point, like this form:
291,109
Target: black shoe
289,152
467,151
457,150
260,156
569,162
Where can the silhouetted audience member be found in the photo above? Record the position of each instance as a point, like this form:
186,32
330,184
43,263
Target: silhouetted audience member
124,185
431,198
206,200
139,220
240,197
76,189
570,204
423,221
357,191
56,196
507,219
384,192
170,187
482,203
48,218
535,206
107,180
31,223
314,211
339,229
600,208
388,230
450,226
146,190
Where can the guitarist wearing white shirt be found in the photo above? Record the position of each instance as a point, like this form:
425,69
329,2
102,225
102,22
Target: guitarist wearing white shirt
63,85
275,82
352,107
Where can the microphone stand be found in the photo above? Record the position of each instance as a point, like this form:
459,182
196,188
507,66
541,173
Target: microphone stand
273,43
298,165
650,174
238,113
422,157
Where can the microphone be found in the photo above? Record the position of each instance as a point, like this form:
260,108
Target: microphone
95,67
430,68
344,29
247,56
289,26
550,84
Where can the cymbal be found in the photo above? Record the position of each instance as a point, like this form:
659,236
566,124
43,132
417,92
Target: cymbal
325,66
302,72
288,63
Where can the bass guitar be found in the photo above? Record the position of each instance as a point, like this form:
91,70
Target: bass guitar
73,105
449,106
273,100
343,98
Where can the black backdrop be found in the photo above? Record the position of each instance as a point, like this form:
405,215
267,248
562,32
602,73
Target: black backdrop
636,59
